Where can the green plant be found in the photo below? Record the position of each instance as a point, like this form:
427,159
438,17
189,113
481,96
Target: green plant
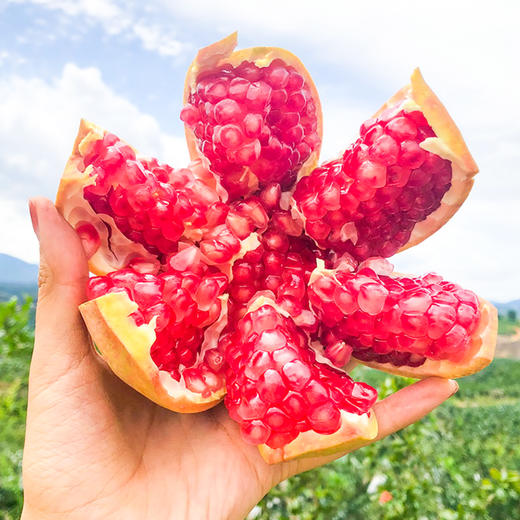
459,463
16,342
455,464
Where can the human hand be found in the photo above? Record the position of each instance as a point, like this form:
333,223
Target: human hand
95,448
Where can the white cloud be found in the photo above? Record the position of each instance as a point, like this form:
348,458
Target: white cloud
154,39
117,19
375,45
38,122
360,53
466,50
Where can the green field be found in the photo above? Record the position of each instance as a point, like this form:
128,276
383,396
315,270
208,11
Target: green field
461,462
508,325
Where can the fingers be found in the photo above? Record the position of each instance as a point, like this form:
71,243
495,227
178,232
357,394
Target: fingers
412,403
61,339
394,413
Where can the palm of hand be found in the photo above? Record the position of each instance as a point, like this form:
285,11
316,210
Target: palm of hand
95,448
132,458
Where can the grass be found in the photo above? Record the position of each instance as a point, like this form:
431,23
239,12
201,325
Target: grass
459,463
508,326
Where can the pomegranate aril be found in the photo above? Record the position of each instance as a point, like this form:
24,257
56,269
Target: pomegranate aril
270,340
423,317
194,381
252,408
339,353
295,406
227,110
255,432
325,418
278,421
401,128
190,115
277,76
229,136
98,286
280,439
297,374
271,387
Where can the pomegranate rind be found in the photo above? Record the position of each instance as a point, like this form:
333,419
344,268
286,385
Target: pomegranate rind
125,347
354,432
114,250
449,144
480,354
222,52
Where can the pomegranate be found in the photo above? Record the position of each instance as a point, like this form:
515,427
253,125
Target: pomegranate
254,276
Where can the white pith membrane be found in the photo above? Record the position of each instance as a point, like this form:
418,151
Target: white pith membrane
354,430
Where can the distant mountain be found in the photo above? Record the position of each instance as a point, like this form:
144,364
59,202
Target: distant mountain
16,271
513,305
20,290
17,278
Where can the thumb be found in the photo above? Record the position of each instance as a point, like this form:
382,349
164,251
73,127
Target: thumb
61,340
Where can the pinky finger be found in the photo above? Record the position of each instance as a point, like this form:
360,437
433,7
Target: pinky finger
412,403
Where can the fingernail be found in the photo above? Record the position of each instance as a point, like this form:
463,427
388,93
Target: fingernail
34,218
454,387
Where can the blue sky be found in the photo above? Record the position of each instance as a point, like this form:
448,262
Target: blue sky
122,65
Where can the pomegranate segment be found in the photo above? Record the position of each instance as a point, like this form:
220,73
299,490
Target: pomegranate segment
155,205
184,300
368,202
255,117
394,319
276,387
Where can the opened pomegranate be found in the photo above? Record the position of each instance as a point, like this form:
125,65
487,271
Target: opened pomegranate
240,274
